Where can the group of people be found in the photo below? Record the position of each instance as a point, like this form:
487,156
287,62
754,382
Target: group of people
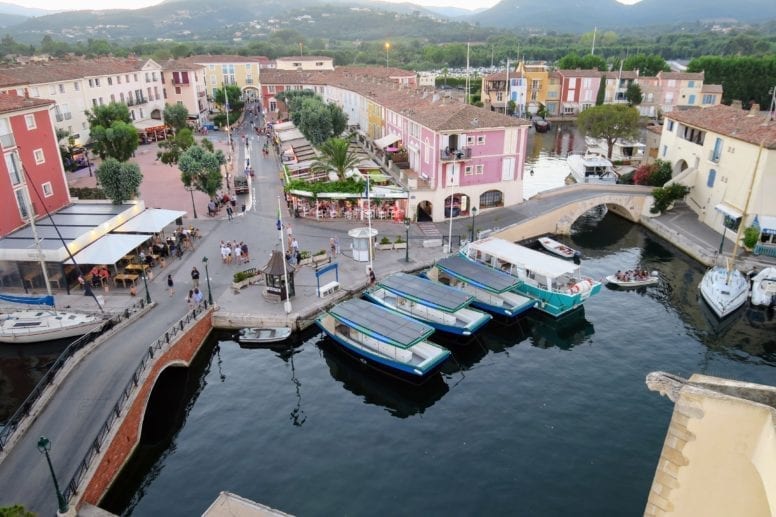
99,275
631,275
233,252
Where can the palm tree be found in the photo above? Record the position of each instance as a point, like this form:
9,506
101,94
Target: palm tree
336,156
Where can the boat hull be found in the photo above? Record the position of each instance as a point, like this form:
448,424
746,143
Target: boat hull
764,288
260,336
724,296
558,248
556,303
613,280
15,334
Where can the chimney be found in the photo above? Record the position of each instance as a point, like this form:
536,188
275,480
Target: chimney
736,104
754,110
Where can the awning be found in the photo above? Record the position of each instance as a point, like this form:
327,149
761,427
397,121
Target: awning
108,249
729,210
387,140
766,223
151,220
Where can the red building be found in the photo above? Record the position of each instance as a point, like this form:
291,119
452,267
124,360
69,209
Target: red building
31,162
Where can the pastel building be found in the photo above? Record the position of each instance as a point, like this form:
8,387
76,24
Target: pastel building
184,83
221,70
305,63
579,89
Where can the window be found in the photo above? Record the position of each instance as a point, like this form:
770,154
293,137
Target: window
479,170
39,157
148,77
153,76
670,126
96,81
34,92
61,88
480,139
118,79
29,121
665,150
48,191
691,84
21,201
121,97
717,152
6,136
177,90
708,99
134,76
110,81
14,169
126,76
271,88
691,100
77,86
470,140
52,89
468,170
491,198
710,179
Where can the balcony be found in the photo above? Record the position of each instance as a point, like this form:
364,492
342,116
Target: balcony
449,155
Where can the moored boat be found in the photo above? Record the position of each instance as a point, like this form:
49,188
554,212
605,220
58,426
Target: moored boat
557,285
764,287
622,150
558,248
393,343
444,308
632,279
36,325
540,124
493,290
724,290
591,168
263,335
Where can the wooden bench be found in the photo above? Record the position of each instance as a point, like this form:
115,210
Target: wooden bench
123,277
327,289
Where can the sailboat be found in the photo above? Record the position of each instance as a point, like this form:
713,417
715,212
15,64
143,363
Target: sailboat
725,288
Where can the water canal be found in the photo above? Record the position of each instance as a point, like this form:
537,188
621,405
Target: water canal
537,418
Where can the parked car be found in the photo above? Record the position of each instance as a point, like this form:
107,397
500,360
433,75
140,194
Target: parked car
240,185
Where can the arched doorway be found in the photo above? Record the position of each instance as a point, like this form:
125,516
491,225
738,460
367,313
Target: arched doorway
425,209
491,199
460,205
678,168
156,114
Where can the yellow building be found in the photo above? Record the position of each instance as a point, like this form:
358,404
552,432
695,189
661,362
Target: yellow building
537,76
227,69
375,125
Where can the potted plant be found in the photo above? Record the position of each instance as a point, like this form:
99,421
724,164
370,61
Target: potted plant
245,278
305,258
751,235
320,256
384,244
399,243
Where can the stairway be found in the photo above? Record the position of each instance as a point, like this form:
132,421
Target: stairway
432,235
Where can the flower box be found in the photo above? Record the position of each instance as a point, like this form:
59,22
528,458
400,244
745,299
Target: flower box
399,245
384,246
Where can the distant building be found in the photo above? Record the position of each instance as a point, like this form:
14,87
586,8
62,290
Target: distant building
220,70
305,63
184,83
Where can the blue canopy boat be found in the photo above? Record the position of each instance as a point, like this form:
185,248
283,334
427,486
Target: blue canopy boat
493,290
392,343
444,308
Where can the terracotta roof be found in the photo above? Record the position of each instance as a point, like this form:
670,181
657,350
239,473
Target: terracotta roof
655,129
733,122
67,70
10,102
711,88
581,73
222,58
682,76
625,74
180,64
502,76
304,58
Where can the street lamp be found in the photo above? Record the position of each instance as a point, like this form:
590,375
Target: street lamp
474,214
145,283
387,47
88,163
407,249
207,275
191,190
44,446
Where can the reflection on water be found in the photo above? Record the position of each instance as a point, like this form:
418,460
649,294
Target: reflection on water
570,330
546,157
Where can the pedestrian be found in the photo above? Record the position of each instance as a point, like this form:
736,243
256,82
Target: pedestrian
229,211
294,245
371,273
531,172
289,232
194,277
336,245
190,299
332,247
170,285
198,297
244,248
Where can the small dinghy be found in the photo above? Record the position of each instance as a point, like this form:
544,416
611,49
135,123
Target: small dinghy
558,248
633,279
263,335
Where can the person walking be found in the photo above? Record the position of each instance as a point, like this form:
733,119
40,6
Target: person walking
229,211
194,277
371,273
333,247
190,299
198,296
170,286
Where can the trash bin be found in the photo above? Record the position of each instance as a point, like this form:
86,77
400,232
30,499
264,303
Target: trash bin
242,208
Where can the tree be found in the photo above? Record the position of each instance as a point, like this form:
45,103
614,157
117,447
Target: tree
172,148
573,61
633,94
647,65
336,157
16,510
176,116
601,97
230,92
201,170
112,131
120,181
610,122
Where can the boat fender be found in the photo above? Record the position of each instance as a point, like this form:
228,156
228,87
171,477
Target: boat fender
402,301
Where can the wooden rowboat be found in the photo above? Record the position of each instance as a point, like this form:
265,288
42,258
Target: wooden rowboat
263,335
558,248
634,281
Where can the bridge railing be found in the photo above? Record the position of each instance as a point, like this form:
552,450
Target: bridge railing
134,382
26,406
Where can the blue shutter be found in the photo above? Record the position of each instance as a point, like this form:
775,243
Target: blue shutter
710,179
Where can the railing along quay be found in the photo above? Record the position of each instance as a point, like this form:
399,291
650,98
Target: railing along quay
134,382
24,409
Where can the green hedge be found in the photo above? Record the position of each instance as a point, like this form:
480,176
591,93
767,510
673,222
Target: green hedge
87,193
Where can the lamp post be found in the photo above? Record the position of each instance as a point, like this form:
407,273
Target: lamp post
88,163
387,47
145,284
207,275
474,215
44,446
191,190
407,249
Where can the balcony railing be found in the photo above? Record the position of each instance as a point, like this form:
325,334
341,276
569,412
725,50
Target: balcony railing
448,155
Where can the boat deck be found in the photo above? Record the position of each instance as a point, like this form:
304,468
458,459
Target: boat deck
426,292
478,275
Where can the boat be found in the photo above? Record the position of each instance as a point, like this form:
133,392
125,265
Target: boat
631,280
558,248
263,335
591,168
493,290
725,288
390,342
444,308
557,285
36,325
622,150
764,287
540,124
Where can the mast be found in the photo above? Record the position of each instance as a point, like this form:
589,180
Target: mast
468,47
287,304
743,217
37,240
592,50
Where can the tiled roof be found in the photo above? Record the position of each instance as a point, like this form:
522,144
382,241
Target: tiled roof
733,122
304,58
10,102
580,73
223,58
501,76
625,74
682,76
711,88
66,70
180,64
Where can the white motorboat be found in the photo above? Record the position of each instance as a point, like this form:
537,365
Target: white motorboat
591,168
622,150
263,335
724,290
34,325
558,248
631,280
764,287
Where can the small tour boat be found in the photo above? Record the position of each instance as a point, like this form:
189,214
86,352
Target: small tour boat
591,168
558,248
557,285
622,150
764,287
631,279
263,335
442,307
493,290
33,325
390,342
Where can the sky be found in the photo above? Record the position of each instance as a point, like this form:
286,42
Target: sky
136,4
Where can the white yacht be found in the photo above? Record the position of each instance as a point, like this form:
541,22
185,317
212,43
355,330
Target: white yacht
724,290
591,168
622,150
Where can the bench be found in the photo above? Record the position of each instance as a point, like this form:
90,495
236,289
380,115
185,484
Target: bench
327,289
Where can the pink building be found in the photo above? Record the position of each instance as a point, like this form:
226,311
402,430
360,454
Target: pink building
579,89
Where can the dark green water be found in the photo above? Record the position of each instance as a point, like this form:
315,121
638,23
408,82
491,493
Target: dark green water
537,418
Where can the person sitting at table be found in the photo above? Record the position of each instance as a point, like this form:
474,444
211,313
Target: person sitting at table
148,260
104,275
95,271
95,280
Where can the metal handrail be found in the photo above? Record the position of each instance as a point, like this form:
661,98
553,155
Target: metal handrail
133,383
26,406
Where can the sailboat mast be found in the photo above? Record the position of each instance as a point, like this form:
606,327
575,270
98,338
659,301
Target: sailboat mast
746,209
468,47
34,229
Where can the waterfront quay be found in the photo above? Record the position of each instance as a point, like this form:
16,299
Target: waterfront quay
77,404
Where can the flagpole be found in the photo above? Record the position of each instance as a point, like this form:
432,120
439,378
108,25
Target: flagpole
287,304
369,221
450,213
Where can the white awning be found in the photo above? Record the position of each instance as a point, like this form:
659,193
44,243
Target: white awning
766,223
387,140
729,210
108,249
151,220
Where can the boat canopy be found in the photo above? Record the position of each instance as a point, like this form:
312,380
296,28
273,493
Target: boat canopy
382,324
729,210
477,275
426,292
28,300
539,263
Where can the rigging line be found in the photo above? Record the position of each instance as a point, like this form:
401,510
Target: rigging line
59,234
